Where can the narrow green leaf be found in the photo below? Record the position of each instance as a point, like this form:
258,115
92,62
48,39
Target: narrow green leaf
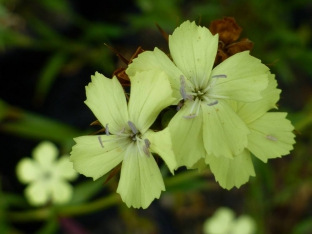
86,190
30,125
48,75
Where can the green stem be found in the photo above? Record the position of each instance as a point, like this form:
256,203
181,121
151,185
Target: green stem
96,205
304,122
100,204
182,177
70,210
30,215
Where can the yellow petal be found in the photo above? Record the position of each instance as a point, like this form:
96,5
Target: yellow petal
271,136
231,172
107,101
157,60
187,137
161,145
140,180
246,78
90,159
150,94
251,111
193,49
225,134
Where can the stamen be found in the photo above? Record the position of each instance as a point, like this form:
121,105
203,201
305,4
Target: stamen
106,130
147,143
182,88
194,105
183,93
99,137
189,97
212,82
182,80
203,79
120,132
206,98
219,76
217,96
132,127
213,103
195,82
190,116
180,105
146,151
197,110
272,138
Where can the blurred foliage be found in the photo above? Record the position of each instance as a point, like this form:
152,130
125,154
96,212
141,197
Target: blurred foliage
279,198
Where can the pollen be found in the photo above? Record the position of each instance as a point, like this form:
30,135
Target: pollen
272,138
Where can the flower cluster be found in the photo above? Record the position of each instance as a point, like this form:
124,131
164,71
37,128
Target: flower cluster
47,177
222,117
223,221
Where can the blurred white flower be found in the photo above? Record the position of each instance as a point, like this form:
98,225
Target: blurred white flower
46,176
223,222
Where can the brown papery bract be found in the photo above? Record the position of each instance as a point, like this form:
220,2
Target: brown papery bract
120,73
229,32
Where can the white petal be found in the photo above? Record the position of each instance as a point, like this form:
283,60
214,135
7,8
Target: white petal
246,78
187,137
90,159
161,145
37,193
193,49
61,192
64,169
225,134
140,180
220,222
271,136
150,94
107,101
28,170
157,60
45,153
244,225
231,172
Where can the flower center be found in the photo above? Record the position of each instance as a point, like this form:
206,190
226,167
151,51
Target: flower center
134,136
199,94
143,145
46,175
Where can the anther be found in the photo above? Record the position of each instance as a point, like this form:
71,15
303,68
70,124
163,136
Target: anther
189,116
147,143
183,93
146,151
272,138
132,127
213,103
180,104
219,76
99,137
182,88
182,80
120,132
106,130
